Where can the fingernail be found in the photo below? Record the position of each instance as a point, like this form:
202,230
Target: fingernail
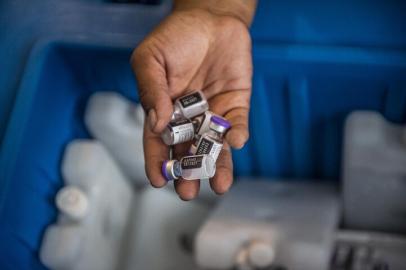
152,118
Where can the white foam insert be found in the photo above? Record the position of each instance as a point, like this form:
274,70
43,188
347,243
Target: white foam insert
95,241
297,220
373,143
61,246
118,124
374,171
164,220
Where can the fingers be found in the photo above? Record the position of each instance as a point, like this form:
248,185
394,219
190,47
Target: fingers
234,106
222,180
155,152
225,101
150,72
186,189
238,135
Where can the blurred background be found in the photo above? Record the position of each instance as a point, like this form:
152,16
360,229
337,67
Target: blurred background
319,185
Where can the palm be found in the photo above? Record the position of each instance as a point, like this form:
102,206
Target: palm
211,55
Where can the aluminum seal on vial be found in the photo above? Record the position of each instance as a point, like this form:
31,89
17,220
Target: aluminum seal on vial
219,124
171,170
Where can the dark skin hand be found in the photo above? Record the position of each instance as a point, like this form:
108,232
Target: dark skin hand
202,45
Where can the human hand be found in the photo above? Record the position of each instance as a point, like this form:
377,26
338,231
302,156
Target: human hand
194,49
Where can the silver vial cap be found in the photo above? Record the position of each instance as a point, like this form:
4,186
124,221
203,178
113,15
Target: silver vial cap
171,170
177,113
167,136
219,124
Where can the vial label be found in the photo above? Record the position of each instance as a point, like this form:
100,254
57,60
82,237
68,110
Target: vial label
203,123
191,99
206,146
179,122
193,162
200,120
198,167
182,130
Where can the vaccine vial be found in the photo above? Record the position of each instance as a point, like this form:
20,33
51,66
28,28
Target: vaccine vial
72,202
189,168
190,105
178,131
202,123
211,142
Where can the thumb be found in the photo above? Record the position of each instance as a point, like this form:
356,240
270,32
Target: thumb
153,88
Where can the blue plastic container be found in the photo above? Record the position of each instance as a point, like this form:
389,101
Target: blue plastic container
313,65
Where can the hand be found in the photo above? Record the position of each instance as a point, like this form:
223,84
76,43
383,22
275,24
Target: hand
194,49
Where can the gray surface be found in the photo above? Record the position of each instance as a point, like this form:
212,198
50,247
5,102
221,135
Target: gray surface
374,174
299,219
366,250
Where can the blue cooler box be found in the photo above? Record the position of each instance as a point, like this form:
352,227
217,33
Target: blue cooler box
313,64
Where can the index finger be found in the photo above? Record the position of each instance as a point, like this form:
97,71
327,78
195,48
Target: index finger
155,153
223,179
234,106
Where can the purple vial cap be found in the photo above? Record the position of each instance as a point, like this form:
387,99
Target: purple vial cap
164,173
220,121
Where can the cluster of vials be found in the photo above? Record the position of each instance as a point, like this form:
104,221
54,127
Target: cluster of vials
192,121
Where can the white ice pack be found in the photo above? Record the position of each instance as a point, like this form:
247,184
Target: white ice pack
118,124
164,231
259,224
94,211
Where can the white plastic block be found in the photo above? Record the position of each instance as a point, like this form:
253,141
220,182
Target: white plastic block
374,144
74,247
88,165
164,231
101,231
294,224
374,173
61,246
118,124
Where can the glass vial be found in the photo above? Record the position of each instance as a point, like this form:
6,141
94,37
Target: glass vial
178,131
202,123
190,105
211,142
189,168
